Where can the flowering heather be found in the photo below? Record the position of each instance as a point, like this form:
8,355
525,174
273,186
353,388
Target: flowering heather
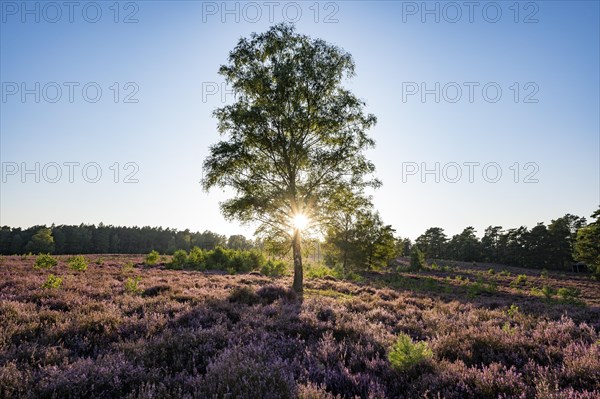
191,334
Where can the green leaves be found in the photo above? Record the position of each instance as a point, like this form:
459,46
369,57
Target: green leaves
405,353
294,137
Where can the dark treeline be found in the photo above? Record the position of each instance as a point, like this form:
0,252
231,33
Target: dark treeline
88,239
552,246
365,243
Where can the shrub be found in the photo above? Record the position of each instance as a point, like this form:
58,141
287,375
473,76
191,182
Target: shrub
78,263
218,259
513,310
548,291
480,287
491,271
127,268
52,282
570,295
274,268
240,261
567,293
132,285
405,354
179,259
251,371
544,273
318,270
521,279
417,259
45,261
196,258
152,258
243,295
270,293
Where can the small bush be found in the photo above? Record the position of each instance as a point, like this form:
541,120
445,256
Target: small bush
217,259
570,295
45,261
152,258
196,258
405,354
78,263
547,291
132,285
417,259
250,371
270,293
544,273
318,271
479,287
521,279
513,310
274,268
52,282
491,271
179,260
127,268
241,261
243,295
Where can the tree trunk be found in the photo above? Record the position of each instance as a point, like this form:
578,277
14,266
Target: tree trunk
297,251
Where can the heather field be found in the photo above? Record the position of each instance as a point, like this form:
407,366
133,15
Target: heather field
122,329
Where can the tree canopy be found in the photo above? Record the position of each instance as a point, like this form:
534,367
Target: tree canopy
294,138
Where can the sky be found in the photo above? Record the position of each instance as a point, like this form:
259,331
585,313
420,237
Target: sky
488,112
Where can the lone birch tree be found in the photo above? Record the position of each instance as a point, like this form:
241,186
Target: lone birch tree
294,137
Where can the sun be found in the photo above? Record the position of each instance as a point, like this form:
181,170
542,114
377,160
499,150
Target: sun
300,221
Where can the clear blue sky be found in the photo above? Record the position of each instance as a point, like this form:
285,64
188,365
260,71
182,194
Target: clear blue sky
174,50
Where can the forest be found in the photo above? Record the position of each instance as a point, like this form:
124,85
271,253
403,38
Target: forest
365,244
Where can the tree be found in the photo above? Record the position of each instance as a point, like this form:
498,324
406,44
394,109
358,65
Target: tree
587,244
563,233
403,246
238,241
375,240
41,242
536,247
432,243
363,242
465,246
340,239
512,243
294,135
491,244
417,258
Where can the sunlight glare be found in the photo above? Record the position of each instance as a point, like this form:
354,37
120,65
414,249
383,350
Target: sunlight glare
300,221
